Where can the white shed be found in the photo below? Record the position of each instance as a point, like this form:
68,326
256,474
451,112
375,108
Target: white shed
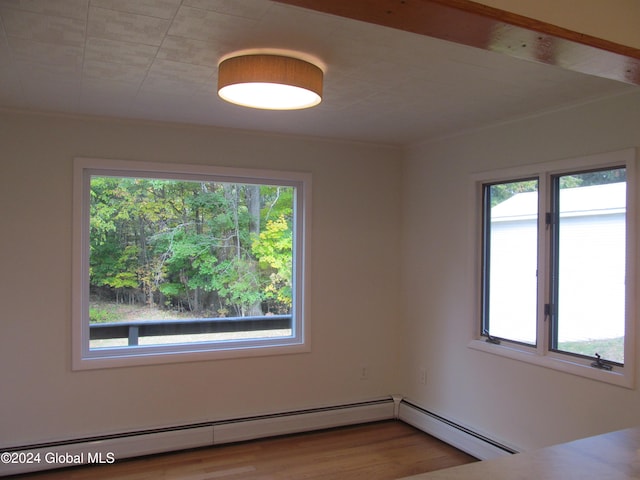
592,264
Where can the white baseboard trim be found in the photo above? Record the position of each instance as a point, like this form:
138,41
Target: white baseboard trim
102,449
297,422
106,449
463,438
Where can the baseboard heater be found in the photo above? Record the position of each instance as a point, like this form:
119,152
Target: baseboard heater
463,438
108,448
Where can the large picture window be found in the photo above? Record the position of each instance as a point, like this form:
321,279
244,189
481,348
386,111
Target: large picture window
182,262
556,265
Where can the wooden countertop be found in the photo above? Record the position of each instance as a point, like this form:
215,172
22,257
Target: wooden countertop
611,456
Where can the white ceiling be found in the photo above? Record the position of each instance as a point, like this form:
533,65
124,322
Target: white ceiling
157,59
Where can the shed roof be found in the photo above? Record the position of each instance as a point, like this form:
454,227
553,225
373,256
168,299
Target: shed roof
593,200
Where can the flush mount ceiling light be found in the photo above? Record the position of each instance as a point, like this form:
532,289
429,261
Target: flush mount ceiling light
273,82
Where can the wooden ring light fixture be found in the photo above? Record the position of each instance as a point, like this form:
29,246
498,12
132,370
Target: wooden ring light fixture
273,82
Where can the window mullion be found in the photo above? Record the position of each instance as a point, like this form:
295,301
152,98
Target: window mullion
553,260
544,259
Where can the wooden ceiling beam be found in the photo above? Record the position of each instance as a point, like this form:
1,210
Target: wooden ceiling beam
477,25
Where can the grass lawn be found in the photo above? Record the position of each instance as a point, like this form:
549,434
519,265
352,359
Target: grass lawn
608,348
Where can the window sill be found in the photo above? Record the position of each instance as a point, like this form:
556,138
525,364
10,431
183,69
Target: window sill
94,360
620,376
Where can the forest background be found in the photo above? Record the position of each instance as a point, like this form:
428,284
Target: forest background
197,249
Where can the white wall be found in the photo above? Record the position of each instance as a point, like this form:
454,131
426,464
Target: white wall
524,405
370,208
355,277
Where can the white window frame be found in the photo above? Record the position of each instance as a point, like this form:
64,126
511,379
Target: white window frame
85,358
540,354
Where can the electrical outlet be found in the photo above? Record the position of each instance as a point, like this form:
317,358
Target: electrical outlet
423,376
364,372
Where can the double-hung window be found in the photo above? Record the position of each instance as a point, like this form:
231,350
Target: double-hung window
556,265
179,262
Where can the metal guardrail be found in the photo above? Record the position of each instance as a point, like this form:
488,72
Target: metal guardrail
148,328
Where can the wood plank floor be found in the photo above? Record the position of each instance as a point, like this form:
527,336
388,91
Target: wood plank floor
376,451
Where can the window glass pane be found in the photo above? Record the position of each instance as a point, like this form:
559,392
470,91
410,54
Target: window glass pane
182,262
511,258
591,264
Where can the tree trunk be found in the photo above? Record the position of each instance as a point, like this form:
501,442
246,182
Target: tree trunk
252,195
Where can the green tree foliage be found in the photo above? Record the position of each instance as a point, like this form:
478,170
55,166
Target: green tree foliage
206,247
273,248
503,191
